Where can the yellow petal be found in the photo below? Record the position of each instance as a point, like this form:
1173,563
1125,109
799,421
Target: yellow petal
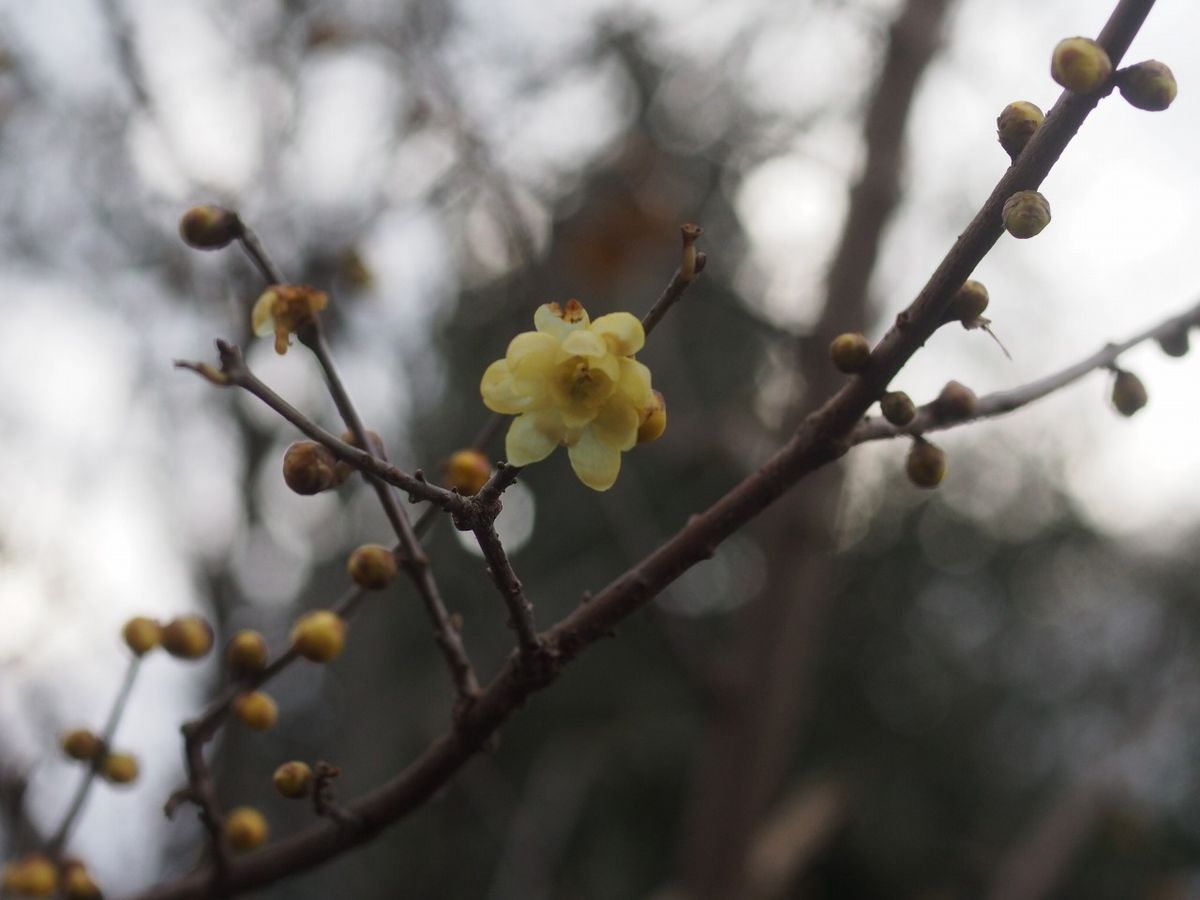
500,393
617,424
531,355
634,384
553,319
596,463
622,332
532,437
262,317
584,343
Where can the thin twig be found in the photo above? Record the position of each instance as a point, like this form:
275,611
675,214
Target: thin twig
258,255
989,406
202,791
520,610
58,840
671,294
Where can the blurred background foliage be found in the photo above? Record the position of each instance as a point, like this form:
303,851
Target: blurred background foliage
869,694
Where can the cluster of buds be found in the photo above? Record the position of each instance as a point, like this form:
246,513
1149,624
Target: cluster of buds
83,745
37,875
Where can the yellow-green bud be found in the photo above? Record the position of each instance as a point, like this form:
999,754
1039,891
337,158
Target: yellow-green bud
319,635
245,828
897,407
1080,65
956,401
926,464
1149,85
187,637
467,471
850,352
293,779
309,468
31,876
209,227
247,653
1025,214
120,768
1128,393
654,419
256,709
141,635
1016,124
372,566
82,744
968,303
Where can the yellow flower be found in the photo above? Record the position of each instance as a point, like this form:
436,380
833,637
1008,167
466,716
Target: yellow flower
572,382
283,309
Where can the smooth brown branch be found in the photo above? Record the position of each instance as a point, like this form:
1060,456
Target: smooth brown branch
691,265
258,255
929,418
520,610
416,562
54,846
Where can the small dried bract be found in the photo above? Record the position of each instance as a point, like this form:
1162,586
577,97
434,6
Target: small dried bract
956,401
256,709
1025,214
120,768
1080,65
926,464
293,779
850,352
319,635
1016,124
1128,393
372,566
141,635
467,471
897,407
1149,85
246,828
284,309
187,637
309,468
209,227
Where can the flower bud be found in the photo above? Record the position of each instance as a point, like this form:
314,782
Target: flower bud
850,352
1025,214
187,637
319,635
309,468
376,447
1175,344
209,227
246,653
372,566
141,635
1149,85
1016,124
31,876
78,883
897,407
256,709
956,401
1080,65
654,419
82,744
293,779
1128,393
926,464
245,828
120,768
467,471
968,302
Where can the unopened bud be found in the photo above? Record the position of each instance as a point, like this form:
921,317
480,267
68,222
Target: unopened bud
850,352
654,419
467,471
1175,344
31,876
187,637
897,407
926,464
246,653
77,883
1128,393
1149,85
309,468
956,401
1016,124
209,227
1025,214
968,302
246,828
141,635
120,768
256,709
319,635
1080,65
82,744
293,779
372,566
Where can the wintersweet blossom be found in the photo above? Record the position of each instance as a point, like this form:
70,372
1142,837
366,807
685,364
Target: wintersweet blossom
283,309
573,382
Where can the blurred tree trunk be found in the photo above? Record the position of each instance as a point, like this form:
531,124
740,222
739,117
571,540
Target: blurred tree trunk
754,727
